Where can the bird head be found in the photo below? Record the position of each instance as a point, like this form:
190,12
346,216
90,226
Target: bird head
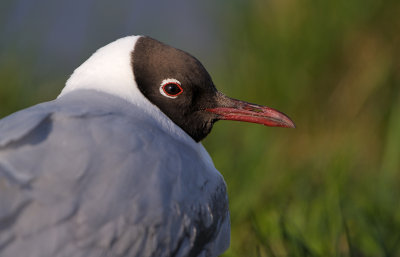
149,73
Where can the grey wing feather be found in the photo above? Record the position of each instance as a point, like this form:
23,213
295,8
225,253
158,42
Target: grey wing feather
84,182
12,129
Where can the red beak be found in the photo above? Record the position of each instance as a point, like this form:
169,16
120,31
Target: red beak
232,109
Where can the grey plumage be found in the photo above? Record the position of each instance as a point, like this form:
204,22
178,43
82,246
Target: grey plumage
89,174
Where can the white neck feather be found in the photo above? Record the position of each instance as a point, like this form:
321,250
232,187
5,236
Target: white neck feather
108,70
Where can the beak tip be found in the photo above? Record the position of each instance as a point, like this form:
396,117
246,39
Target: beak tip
291,125
285,121
284,125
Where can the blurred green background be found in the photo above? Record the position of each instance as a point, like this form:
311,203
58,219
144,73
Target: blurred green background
330,187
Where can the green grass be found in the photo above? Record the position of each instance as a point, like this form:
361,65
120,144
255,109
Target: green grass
330,187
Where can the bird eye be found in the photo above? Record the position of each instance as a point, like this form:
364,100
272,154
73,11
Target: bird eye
171,88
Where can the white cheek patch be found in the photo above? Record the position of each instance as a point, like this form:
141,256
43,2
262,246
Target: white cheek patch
165,82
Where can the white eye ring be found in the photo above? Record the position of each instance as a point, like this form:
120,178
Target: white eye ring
169,81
